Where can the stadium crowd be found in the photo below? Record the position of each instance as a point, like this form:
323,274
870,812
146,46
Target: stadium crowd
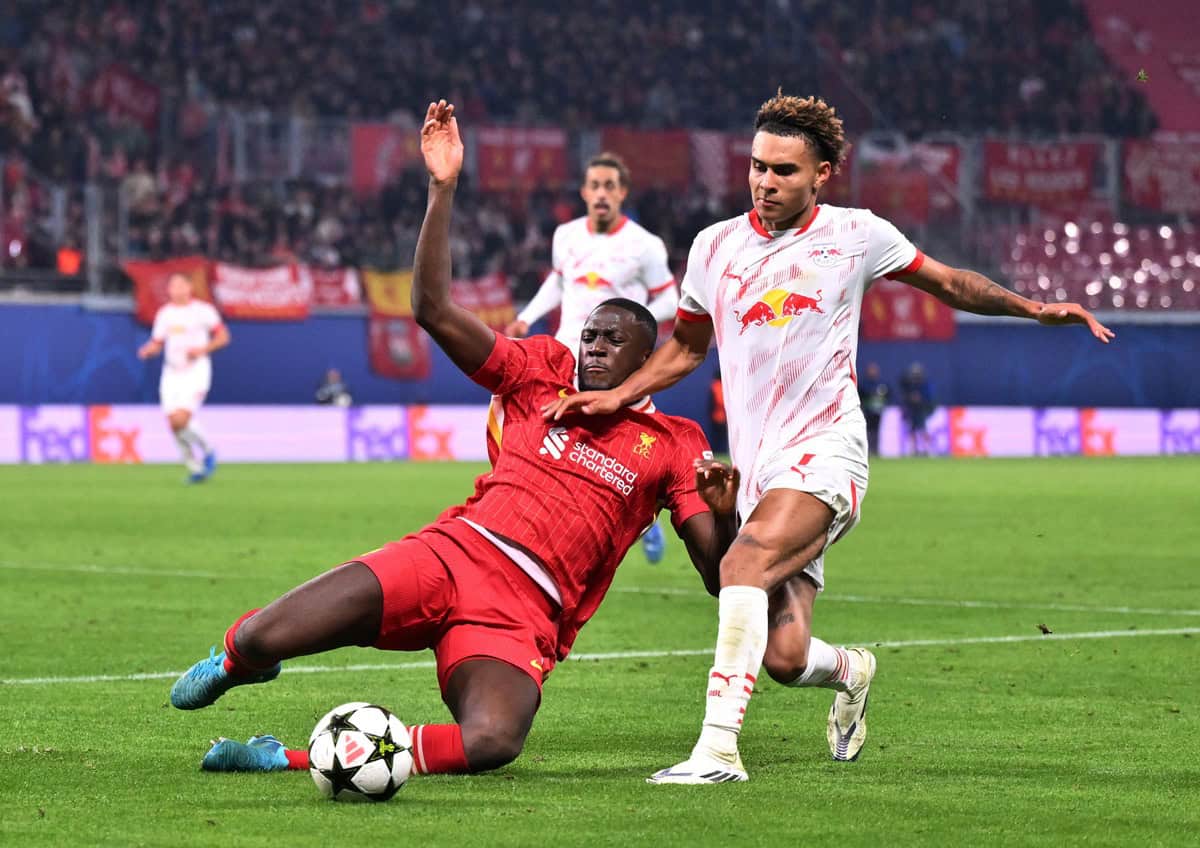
919,65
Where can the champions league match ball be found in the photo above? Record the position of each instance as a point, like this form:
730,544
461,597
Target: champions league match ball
359,752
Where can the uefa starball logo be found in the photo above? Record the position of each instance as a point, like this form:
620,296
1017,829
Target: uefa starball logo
608,469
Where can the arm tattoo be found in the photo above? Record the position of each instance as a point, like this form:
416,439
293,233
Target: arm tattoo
973,292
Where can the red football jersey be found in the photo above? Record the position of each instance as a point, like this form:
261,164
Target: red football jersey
578,492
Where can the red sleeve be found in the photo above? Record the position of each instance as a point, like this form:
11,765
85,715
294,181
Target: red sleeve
512,363
683,315
681,497
910,268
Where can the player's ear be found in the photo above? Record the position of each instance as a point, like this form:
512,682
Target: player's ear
824,172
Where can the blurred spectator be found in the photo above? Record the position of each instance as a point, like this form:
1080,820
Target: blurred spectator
873,395
333,390
916,402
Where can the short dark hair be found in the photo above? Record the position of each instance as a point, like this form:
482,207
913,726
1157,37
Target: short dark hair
609,160
640,314
810,118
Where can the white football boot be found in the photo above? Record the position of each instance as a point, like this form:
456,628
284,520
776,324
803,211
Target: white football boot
848,715
700,769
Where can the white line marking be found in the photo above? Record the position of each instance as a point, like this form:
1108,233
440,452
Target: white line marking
115,569
936,602
624,655
647,590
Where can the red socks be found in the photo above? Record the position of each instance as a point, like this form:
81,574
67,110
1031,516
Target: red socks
436,749
235,663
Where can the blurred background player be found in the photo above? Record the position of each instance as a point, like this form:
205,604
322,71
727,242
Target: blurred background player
916,404
186,331
602,255
500,586
333,389
873,395
780,289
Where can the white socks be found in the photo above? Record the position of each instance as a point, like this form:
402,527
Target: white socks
828,667
741,643
194,435
185,451
190,438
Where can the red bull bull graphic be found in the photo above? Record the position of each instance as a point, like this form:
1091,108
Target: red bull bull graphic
776,308
593,281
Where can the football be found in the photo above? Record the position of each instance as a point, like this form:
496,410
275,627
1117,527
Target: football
359,752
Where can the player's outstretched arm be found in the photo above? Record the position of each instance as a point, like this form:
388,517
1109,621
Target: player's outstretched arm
458,331
973,292
678,357
708,536
150,349
548,298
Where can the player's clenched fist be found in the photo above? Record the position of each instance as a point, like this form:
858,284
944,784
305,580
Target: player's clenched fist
717,484
441,144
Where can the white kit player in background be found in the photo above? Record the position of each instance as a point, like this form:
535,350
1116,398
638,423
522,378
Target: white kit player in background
186,331
780,289
599,256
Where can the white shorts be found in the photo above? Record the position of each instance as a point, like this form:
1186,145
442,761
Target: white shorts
832,467
184,388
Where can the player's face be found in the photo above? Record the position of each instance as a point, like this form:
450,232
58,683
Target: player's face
179,289
611,347
603,193
785,175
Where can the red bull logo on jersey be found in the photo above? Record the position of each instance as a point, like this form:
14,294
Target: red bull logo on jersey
776,308
827,256
593,281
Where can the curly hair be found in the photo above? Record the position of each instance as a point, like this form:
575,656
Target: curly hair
810,118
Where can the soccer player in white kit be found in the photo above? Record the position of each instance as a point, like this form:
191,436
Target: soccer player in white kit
599,256
186,331
781,291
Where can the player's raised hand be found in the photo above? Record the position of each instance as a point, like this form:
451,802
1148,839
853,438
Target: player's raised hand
589,403
441,144
717,484
1054,314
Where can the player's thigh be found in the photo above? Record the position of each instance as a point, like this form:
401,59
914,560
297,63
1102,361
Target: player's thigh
336,609
786,531
789,621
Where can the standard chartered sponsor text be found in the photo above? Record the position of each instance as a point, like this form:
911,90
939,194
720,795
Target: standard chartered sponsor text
604,466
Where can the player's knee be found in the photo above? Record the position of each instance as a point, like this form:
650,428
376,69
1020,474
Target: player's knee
747,563
490,745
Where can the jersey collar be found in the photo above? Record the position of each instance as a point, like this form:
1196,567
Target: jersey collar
645,405
612,232
757,224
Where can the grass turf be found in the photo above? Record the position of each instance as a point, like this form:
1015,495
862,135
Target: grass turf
122,570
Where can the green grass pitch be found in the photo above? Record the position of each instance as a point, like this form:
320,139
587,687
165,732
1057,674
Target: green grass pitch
1090,736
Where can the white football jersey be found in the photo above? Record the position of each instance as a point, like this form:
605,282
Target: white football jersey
627,261
181,328
785,308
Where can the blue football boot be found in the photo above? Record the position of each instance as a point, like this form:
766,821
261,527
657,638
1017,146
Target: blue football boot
654,543
260,753
208,680
210,463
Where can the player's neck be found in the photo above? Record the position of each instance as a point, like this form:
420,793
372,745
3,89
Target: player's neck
602,227
797,221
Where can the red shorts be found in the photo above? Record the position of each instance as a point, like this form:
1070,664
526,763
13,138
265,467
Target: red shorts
450,589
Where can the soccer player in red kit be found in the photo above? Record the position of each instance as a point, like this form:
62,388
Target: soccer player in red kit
499,586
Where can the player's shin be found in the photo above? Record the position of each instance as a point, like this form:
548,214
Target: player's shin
438,749
195,436
741,642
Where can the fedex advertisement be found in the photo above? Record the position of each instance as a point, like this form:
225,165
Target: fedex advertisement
139,434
